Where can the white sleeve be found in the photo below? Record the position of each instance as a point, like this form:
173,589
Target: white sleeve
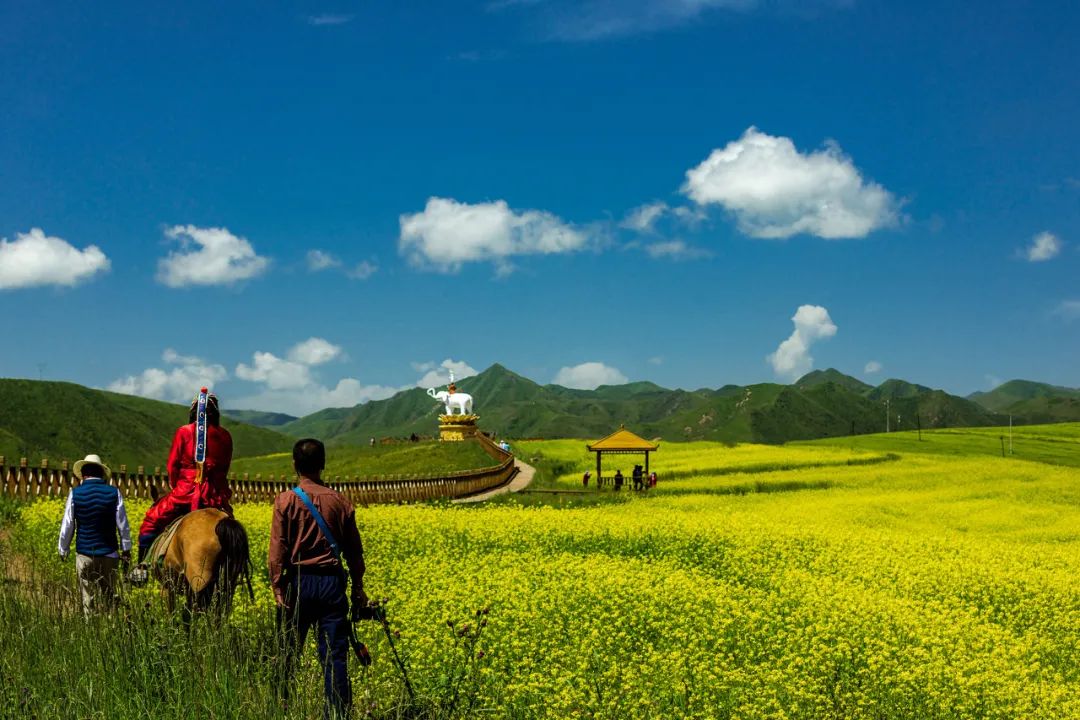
67,527
122,522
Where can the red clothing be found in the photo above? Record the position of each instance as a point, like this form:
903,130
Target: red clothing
187,495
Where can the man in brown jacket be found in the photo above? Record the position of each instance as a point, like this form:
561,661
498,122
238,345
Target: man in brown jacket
313,530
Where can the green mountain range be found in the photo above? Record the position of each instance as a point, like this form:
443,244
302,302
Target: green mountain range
824,403
65,421
1032,401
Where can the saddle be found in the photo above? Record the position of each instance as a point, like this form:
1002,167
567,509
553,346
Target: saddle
155,557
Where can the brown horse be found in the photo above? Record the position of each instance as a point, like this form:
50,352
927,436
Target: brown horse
205,561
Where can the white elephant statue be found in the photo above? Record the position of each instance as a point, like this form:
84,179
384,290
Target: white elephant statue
459,402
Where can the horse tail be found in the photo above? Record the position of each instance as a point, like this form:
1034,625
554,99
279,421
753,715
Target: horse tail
234,560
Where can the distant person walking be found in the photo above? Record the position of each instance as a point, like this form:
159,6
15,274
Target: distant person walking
95,516
652,479
198,470
638,478
618,480
313,529
585,479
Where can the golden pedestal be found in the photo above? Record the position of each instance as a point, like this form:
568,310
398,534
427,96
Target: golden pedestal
455,428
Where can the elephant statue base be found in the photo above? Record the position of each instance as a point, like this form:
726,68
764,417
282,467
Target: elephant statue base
455,428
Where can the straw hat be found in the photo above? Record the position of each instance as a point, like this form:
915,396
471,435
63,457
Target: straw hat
77,468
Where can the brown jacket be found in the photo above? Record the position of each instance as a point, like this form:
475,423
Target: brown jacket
297,544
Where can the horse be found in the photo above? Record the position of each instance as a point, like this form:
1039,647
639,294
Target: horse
205,561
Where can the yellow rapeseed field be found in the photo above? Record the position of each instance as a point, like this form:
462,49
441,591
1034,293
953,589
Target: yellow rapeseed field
911,587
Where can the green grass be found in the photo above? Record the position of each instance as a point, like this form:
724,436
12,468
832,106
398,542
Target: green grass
422,458
63,421
1057,444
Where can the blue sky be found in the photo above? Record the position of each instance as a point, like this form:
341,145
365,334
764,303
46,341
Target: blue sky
314,204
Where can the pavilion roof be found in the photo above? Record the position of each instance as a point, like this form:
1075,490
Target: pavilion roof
622,439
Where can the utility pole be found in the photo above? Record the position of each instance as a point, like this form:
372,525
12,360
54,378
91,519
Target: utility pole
1010,435
888,419
918,419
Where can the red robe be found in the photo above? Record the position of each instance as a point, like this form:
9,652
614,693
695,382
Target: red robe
187,495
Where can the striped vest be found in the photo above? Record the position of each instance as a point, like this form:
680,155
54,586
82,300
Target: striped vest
94,504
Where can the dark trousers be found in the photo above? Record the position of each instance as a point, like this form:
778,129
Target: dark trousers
319,601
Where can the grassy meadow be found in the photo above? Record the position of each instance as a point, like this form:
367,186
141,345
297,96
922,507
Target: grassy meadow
808,581
349,461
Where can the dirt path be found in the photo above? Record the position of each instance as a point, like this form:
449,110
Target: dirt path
519,482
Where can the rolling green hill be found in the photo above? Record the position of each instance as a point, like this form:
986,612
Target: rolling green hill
822,404
1033,401
64,421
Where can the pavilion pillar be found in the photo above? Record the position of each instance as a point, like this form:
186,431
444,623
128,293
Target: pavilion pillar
599,473
646,462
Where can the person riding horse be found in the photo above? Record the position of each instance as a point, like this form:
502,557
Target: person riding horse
198,470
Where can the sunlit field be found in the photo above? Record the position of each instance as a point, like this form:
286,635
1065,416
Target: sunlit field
799,582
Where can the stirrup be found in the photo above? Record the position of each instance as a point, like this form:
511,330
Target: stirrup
139,574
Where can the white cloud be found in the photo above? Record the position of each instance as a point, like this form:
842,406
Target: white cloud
291,386
208,256
318,260
1044,246
1068,309
178,382
447,234
872,367
774,191
992,381
314,351
643,218
674,250
303,401
276,373
658,360
436,375
326,19
362,270
792,358
589,376
34,259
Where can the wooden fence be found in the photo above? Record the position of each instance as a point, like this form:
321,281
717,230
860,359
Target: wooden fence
47,481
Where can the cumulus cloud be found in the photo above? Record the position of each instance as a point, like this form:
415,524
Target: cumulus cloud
289,383
348,392
275,372
34,259
1044,246
314,351
208,256
178,381
674,250
589,376
872,367
792,358
447,234
319,260
774,191
435,375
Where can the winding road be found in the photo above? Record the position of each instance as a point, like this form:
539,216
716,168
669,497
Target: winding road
519,482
